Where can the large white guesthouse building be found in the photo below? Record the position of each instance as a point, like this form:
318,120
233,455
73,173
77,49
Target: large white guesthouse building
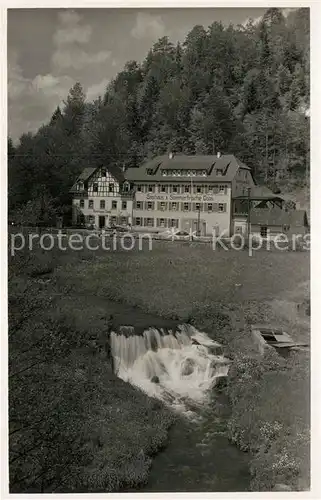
198,193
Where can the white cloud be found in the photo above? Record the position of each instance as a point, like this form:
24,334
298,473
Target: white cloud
17,84
31,101
288,11
97,90
69,35
148,26
257,20
43,82
75,58
79,34
70,30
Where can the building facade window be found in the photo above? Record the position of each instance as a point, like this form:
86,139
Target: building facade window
114,205
222,189
139,188
263,231
113,219
82,203
175,188
163,188
138,221
151,188
162,222
174,205
186,207
124,205
222,207
150,205
95,187
149,222
162,206
173,222
123,221
139,205
90,219
111,187
187,189
199,189
102,204
90,203
210,207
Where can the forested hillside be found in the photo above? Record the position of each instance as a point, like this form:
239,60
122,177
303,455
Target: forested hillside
233,89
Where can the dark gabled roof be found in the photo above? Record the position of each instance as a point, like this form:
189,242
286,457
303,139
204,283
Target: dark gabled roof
279,217
84,176
229,164
89,171
261,193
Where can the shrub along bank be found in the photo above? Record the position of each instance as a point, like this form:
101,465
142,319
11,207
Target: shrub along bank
270,418
269,399
73,425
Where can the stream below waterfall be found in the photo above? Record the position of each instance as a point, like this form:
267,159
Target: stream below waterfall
192,463
180,367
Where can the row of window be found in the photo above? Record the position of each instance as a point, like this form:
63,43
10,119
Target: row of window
111,187
90,219
150,222
187,173
184,207
181,189
102,204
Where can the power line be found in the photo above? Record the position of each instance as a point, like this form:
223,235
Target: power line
76,155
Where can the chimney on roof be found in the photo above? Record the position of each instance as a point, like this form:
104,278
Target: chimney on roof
170,155
218,154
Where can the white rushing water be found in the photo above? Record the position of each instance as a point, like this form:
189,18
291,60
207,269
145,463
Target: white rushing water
178,368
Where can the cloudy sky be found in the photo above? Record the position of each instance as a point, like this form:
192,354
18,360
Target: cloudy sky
50,49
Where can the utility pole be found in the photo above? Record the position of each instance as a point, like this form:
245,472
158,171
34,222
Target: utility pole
199,220
249,212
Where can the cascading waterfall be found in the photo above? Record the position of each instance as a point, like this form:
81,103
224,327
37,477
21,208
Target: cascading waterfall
177,367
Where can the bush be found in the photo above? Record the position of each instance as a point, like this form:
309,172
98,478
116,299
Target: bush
270,406
73,425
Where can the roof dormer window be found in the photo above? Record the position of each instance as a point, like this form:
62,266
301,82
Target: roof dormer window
204,173
149,171
164,173
80,186
219,171
194,173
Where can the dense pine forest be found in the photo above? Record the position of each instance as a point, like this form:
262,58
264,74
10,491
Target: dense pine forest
242,90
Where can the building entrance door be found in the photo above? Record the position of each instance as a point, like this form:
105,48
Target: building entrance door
101,221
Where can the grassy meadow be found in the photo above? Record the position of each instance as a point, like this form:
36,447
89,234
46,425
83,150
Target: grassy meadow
96,433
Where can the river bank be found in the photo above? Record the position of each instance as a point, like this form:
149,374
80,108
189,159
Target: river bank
199,456
80,290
